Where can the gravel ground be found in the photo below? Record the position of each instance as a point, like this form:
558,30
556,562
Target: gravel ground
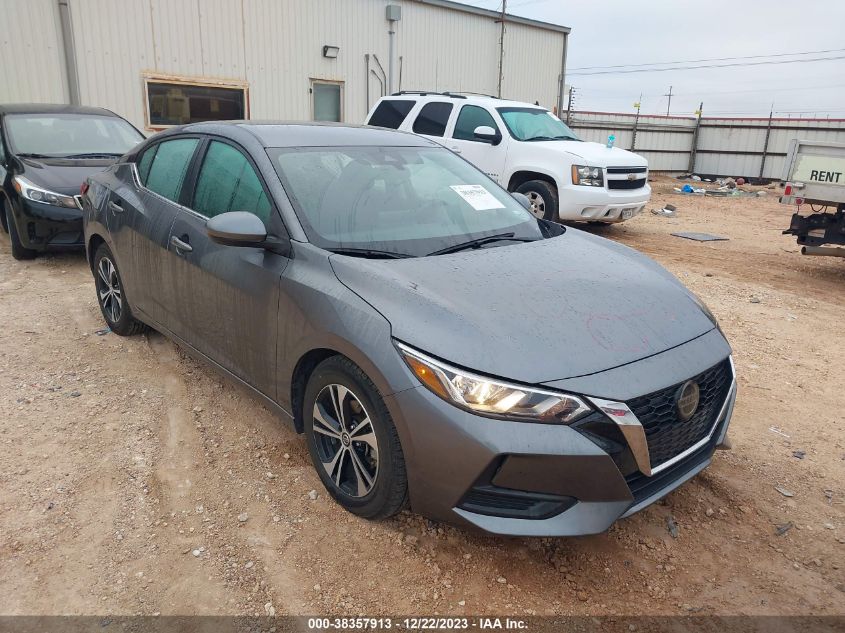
134,480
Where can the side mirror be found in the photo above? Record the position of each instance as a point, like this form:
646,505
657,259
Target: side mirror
237,228
522,199
487,134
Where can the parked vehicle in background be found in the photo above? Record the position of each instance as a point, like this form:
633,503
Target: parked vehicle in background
526,149
379,290
46,153
814,174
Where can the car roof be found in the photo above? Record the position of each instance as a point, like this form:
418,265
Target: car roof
309,134
461,98
51,108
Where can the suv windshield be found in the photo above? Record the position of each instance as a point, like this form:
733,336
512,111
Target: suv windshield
534,124
70,135
407,201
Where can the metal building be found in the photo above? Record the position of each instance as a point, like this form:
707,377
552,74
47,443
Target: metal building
165,62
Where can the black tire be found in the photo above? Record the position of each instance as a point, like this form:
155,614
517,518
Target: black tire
19,251
387,493
111,295
543,197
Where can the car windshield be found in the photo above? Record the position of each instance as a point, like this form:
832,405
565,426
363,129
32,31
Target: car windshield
69,135
535,124
408,201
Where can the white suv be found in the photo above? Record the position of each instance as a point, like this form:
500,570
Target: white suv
526,149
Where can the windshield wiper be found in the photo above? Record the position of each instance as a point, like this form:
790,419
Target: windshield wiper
93,155
552,138
480,241
369,252
33,155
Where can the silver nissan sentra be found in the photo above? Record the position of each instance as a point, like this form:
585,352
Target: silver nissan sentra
438,345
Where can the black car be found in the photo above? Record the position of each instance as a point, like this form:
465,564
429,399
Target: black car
46,153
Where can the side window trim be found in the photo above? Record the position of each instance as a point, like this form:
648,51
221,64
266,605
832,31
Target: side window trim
188,172
199,159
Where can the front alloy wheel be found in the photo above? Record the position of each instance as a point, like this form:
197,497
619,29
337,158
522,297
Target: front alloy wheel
345,441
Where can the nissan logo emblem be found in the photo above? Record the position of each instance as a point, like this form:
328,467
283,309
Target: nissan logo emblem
687,400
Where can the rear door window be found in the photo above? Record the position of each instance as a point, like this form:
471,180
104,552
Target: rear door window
432,118
470,118
145,163
228,182
391,112
169,166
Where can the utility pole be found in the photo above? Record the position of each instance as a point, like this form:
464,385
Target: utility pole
669,105
569,104
502,47
636,122
694,148
766,143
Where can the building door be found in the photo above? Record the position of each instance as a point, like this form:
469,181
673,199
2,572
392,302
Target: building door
326,100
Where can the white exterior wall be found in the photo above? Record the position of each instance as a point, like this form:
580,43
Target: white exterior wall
32,61
274,47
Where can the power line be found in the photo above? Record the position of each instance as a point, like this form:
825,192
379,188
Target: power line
712,59
658,70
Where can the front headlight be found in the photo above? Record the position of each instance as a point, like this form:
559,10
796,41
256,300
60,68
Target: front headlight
490,397
35,193
587,176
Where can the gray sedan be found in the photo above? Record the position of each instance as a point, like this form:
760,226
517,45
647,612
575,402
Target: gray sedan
438,345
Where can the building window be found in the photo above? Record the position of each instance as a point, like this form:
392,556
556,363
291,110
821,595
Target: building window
326,100
177,101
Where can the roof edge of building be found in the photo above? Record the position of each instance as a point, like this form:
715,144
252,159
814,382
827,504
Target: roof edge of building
466,8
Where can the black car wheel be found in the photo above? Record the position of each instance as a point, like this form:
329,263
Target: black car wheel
19,251
352,440
543,198
111,295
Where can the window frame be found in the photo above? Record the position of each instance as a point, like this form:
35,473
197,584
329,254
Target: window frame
385,100
445,124
473,140
179,80
188,172
199,159
312,81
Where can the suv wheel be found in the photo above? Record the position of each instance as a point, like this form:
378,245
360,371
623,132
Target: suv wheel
19,251
352,440
543,198
111,295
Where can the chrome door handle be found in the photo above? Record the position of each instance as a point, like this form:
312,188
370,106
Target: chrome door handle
457,150
181,247
114,207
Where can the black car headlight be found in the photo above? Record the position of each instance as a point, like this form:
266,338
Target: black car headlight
493,397
35,193
587,176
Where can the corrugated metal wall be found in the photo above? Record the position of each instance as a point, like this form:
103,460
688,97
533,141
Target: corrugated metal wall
725,147
275,46
31,56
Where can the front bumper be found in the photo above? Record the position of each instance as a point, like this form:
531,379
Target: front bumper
47,227
585,204
522,479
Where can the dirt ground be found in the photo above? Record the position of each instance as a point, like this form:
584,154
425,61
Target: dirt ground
134,480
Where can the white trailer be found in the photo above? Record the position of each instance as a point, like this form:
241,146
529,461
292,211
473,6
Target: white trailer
814,175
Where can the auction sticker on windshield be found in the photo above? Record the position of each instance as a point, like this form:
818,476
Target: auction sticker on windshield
478,197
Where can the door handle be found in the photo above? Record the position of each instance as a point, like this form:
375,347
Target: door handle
181,247
457,150
114,207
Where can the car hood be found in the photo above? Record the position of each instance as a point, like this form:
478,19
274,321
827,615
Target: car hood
62,175
598,155
533,312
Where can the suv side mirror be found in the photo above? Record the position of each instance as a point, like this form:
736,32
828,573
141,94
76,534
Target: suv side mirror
237,228
487,134
522,199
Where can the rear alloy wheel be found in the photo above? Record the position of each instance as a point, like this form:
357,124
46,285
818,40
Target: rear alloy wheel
19,251
543,198
352,440
111,296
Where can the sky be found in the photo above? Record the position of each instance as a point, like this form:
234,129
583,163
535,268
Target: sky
617,32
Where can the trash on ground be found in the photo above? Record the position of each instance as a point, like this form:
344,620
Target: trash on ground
798,454
668,211
672,526
775,429
784,491
701,237
103,332
783,528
